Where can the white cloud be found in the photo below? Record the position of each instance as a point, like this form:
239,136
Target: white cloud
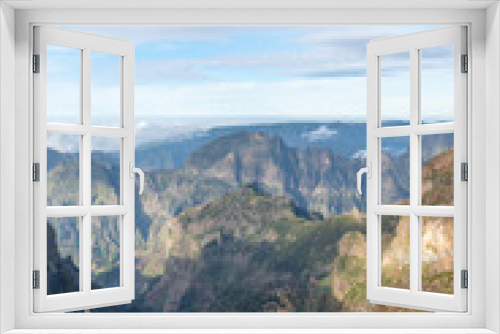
329,52
321,133
311,98
63,143
164,129
334,98
361,154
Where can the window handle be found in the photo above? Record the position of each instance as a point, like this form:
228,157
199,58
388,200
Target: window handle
368,171
134,170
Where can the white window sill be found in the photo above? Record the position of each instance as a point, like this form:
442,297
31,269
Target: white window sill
251,331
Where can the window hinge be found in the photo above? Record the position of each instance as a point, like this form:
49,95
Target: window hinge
465,64
36,172
36,279
36,63
465,279
464,171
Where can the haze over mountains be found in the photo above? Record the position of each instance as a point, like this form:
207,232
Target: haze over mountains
173,141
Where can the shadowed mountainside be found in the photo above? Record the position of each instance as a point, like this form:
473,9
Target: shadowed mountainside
247,251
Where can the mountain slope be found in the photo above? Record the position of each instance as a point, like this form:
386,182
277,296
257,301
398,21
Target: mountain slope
247,251
437,180
62,273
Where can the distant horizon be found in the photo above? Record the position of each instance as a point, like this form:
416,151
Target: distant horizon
170,131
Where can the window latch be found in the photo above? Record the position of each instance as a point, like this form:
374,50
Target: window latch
368,171
134,170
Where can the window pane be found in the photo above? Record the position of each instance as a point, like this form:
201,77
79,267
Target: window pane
395,170
437,84
105,90
63,84
105,252
106,171
63,169
395,246
395,89
437,254
437,169
63,255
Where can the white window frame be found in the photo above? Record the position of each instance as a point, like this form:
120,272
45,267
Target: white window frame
476,320
85,298
413,44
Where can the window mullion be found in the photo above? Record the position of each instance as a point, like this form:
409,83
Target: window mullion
414,170
67,129
85,168
67,211
86,246
85,176
127,232
396,210
108,210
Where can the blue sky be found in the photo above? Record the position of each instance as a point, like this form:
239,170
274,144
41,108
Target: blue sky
291,72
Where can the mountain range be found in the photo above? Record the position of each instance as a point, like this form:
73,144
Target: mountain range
247,222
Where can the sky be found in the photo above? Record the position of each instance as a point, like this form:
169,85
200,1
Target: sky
302,72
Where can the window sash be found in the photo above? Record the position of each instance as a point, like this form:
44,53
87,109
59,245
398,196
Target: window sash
86,297
414,298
